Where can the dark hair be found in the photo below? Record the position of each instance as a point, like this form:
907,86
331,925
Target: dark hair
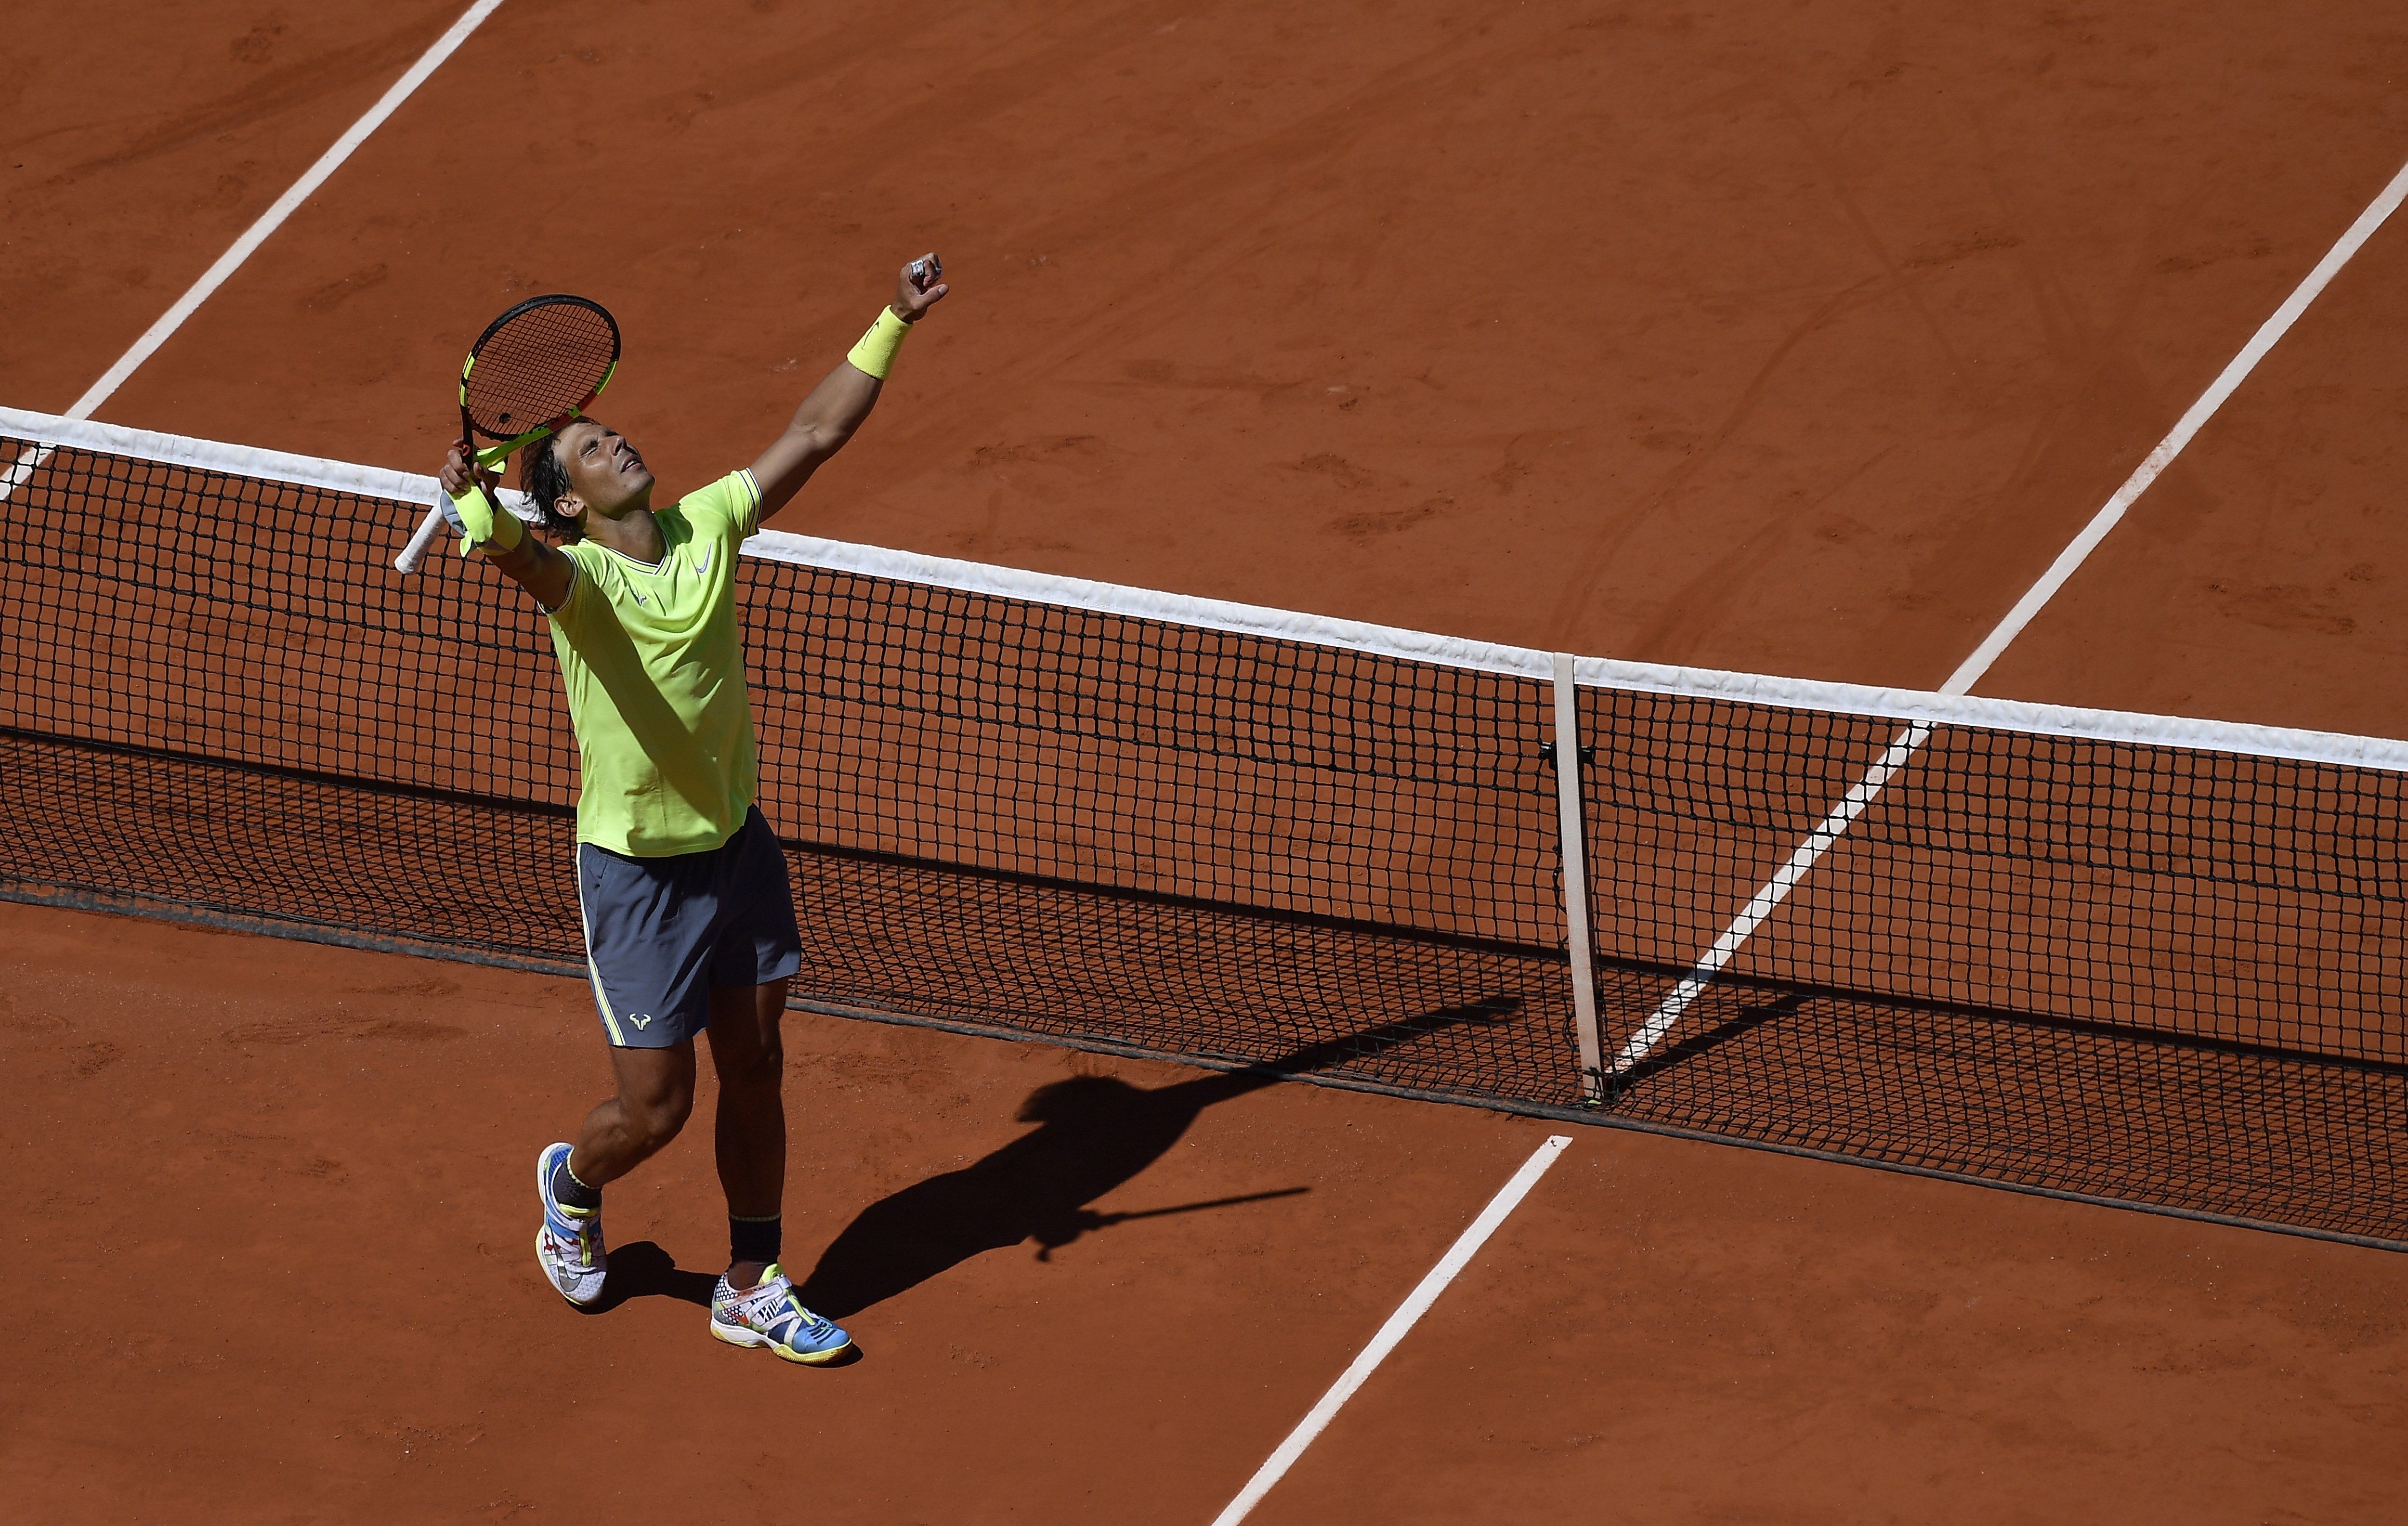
544,478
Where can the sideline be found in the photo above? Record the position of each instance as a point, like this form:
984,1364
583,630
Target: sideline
1458,1257
286,205
1909,741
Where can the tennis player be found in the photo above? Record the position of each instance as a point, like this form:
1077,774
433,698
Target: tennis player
689,917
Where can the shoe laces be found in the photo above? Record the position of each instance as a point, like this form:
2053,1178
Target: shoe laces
584,1234
770,1302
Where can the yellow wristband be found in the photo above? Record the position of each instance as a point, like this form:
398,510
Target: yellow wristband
508,531
483,524
875,354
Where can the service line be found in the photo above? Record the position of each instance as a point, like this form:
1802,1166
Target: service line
1459,1256
1761,905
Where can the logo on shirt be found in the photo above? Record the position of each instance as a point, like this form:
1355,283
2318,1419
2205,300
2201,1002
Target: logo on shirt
702,563
640,599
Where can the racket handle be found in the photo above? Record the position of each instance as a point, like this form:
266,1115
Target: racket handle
415,552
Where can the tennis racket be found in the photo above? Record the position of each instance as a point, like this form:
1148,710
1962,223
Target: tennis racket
533,370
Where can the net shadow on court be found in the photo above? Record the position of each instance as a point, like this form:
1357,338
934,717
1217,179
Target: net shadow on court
2134,958
2224,1127
2089,1109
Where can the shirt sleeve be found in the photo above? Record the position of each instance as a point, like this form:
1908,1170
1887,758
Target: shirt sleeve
572,603
731,505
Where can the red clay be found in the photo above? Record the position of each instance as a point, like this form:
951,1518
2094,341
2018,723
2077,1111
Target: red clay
2261,579
273,1243
272,1247
1795,343
1679,1333
137,142
1795,340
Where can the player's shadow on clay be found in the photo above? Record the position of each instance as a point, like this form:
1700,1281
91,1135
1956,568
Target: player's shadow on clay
641,1269
1093,1133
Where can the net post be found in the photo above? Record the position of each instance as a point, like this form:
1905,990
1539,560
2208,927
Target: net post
1574,843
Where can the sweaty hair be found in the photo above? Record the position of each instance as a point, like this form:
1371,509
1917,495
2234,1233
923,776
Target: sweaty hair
543,478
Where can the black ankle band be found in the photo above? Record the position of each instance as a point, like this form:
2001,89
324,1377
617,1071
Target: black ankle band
571,1193
754,1239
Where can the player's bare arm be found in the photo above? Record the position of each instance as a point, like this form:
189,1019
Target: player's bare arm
599,489
843,399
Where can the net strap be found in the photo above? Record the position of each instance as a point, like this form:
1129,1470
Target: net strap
1710,684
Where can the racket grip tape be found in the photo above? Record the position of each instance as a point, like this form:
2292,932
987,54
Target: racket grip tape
415,552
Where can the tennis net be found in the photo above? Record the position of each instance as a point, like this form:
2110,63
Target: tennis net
2116,957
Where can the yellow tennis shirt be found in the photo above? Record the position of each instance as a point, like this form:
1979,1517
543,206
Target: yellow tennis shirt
654,668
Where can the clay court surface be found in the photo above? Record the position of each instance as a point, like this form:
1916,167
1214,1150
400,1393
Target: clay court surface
1797,341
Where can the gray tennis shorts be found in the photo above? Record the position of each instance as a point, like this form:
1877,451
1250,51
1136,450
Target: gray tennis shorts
662,933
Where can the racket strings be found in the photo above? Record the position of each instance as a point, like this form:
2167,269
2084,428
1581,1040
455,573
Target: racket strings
539,362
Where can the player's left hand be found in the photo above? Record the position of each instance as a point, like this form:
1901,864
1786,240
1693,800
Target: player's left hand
459,476
472,499
920,287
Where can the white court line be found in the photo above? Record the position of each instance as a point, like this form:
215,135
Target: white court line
1770,895
274,216
1459,1256
1968,673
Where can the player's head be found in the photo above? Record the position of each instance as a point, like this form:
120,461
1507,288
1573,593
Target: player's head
588,468
1079,1099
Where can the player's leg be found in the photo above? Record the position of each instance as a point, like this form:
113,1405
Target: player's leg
754,1303
656,1098
649,925
750,1135
756,953
649,929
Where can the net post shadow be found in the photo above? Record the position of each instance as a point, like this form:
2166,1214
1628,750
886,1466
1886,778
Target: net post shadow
1753,1008
1094,1133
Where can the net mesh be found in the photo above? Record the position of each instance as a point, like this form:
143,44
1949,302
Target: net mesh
2163,974
2157,974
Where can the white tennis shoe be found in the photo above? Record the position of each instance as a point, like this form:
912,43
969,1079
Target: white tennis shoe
569,1245
769,1314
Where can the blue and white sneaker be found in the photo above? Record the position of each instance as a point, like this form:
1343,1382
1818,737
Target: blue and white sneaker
770,1314
569,1245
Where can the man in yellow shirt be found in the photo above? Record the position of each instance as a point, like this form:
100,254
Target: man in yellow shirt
689,917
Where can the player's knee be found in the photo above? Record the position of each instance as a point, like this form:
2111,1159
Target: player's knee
655,1120
760,1065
